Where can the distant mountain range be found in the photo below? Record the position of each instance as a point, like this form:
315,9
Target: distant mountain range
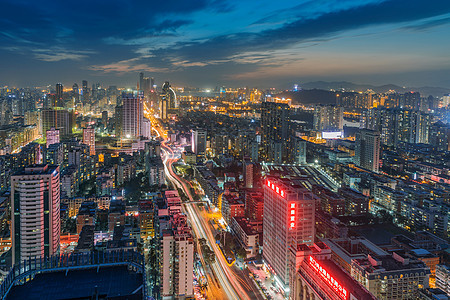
349,86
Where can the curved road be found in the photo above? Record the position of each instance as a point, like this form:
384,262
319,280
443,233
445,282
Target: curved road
230,284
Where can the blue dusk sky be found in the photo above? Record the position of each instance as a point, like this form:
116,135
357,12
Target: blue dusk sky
207,43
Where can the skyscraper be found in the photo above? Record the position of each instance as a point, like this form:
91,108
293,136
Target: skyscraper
248,169
440,136
328,118
35,218
145,85
105,118
163,106
76,93
141,81
177,250
298,150
288,221
59,119
59,91
398,125
133,114
367,149
169,95
118,121
89,139
198,141
275,131
52,136
146,128
75,89
85,89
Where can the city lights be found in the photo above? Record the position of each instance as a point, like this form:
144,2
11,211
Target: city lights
225,151
332,282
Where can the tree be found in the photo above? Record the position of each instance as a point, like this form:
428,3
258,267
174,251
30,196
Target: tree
241,253
190,172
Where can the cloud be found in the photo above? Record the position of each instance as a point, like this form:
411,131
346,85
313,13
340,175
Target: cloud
186,63
59,54
41,21
304,30
127,66
200,39
429,23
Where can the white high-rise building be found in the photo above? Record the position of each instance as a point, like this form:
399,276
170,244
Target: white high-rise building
328,118
89,139
146,129
198,141
177,251
367,149
35,218
52,136
289,219
133,115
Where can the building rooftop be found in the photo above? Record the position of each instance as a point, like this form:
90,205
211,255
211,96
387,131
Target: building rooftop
246,227
375,264
37,169
352,286
106,282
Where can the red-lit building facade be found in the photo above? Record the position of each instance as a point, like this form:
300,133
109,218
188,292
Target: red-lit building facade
232,207
288,221
254,205
315,276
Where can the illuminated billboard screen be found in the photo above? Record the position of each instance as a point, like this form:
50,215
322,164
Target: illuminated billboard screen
331,135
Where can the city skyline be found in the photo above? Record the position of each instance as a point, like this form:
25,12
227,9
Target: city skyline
210,43
213,149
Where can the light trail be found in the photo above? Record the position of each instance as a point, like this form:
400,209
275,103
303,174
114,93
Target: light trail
225,275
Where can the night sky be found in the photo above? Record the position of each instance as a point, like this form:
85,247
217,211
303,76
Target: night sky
236,43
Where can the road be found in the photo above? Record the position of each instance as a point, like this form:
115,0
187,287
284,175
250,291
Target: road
226,282
231,285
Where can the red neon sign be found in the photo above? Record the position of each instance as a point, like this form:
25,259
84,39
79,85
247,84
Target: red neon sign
292,214
331,282
276,189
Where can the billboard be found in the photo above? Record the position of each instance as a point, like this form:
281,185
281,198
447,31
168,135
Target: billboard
332,135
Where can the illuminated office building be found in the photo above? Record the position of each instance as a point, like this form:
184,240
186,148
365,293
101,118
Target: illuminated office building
367,149
275,131
329,118
198,141
288,221
35,218
89,139
52,136
133,114
314,276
